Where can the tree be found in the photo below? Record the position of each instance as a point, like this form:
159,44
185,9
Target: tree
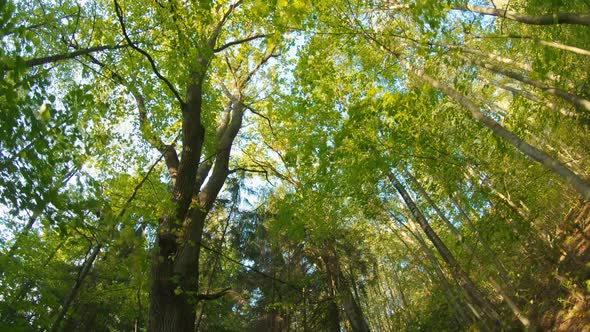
293,165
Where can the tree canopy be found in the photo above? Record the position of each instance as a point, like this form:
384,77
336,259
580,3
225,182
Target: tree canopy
294,165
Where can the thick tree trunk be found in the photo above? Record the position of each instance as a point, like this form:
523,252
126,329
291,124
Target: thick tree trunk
352,309
175,281
472,291
332,319
168,311
540,156
333,316
548,19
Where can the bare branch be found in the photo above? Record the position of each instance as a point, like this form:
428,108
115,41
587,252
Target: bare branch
249,170
249,107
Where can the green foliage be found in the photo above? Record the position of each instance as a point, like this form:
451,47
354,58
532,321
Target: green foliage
307,218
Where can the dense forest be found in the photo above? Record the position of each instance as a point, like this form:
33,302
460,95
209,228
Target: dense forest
295,165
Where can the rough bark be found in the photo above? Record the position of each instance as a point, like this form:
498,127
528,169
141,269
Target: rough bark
536,154
175,269
173,286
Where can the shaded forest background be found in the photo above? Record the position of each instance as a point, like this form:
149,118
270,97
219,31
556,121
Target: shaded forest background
294,165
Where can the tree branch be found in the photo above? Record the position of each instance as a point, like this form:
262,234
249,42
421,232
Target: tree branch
66,56
262,61
250,170
119,13
239,41
214,295
547,19
167,150
217,30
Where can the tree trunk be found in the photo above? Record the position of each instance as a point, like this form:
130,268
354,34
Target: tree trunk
168,311
453,297
506,294
333,316
579,102
23,233
484,243
175,285
352,309
540,156
548,19
536,40
522,66
582,120
502,271
86,266
472,291
332,312
560,46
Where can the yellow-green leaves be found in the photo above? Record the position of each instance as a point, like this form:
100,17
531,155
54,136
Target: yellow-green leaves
44,113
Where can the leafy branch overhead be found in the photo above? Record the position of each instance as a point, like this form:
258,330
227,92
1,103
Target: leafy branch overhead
301,165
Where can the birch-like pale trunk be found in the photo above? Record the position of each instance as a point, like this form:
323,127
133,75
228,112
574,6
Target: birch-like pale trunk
547,19
536,154
580,102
